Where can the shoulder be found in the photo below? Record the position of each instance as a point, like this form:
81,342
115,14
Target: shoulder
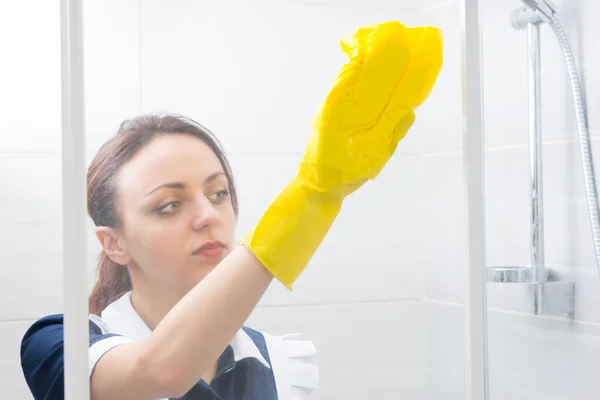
48,333
42,343
42,357
50,328
292,361
42,354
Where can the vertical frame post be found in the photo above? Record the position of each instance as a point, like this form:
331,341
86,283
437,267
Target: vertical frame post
476,372
76,327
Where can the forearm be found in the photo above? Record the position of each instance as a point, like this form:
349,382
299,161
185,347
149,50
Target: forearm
192,336
196,331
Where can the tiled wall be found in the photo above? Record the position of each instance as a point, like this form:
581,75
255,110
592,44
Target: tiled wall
388,321
254,73
531,357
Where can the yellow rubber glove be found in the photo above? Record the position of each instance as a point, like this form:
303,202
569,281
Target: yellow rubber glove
390,72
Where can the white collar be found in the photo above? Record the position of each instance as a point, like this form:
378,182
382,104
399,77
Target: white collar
121,318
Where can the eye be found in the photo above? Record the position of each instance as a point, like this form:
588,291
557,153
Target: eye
169,208
219,196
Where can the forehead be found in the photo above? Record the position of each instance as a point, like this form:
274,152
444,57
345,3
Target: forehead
168,158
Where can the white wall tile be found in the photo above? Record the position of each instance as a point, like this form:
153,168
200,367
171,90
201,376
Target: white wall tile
568,241
368,350
587,53
31,236
33,187
368,5
445,351
442,226
371,252
531,357
504,66
439,118
567,222
507,219
31,210
30,76
112,66
587,292
12,381
505,74
30,284
256,82
542,358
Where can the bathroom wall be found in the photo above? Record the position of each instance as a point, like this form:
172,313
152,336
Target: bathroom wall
531,357
254,73
388,320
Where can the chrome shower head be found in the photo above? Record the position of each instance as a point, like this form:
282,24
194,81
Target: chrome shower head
544,7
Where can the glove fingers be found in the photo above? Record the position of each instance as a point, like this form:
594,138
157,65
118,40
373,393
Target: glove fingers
420,76
351,43
379,56
401,130
383,53
355,46
398,134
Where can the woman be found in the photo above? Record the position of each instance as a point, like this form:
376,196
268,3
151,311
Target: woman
174,290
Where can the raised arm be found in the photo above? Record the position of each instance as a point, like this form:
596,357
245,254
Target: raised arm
390,72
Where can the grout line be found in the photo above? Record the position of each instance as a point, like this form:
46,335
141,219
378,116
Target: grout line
359,7
437,6
373,302
444,302
140,58
520,313
341,303
39,152
261,153
28,152
546,317
293,153
512,146
443,153
8,321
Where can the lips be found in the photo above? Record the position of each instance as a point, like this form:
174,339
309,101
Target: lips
210,249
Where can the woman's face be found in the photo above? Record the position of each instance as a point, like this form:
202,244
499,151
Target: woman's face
175,205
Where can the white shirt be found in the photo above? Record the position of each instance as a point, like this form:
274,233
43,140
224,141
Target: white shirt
295,377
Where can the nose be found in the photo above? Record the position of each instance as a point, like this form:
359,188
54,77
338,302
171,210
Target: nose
205,214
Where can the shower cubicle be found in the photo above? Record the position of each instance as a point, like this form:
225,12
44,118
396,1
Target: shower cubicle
542,289
545,292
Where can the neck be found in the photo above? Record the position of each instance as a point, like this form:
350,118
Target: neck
153,303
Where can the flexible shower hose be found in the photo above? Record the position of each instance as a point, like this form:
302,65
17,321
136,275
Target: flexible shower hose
584,137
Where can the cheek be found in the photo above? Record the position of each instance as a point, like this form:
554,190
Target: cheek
229,222
154,243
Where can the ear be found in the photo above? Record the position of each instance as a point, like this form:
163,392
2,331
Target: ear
112,244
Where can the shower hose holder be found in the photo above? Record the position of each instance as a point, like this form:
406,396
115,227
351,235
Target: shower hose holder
540,288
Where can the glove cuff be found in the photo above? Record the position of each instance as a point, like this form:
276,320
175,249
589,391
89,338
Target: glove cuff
292,228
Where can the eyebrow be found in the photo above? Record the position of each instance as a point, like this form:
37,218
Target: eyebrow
181,185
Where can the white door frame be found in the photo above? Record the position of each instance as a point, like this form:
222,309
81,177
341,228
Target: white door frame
75,270
476,357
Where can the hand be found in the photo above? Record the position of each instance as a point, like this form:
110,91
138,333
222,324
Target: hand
391,71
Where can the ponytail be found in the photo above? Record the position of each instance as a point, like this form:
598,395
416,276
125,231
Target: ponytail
113,281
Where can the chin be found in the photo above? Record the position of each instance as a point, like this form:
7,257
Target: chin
205,269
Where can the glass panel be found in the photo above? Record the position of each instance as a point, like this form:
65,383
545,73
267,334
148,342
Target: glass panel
537,217
444,257
382,299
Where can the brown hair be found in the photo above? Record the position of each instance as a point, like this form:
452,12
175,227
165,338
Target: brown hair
113,279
